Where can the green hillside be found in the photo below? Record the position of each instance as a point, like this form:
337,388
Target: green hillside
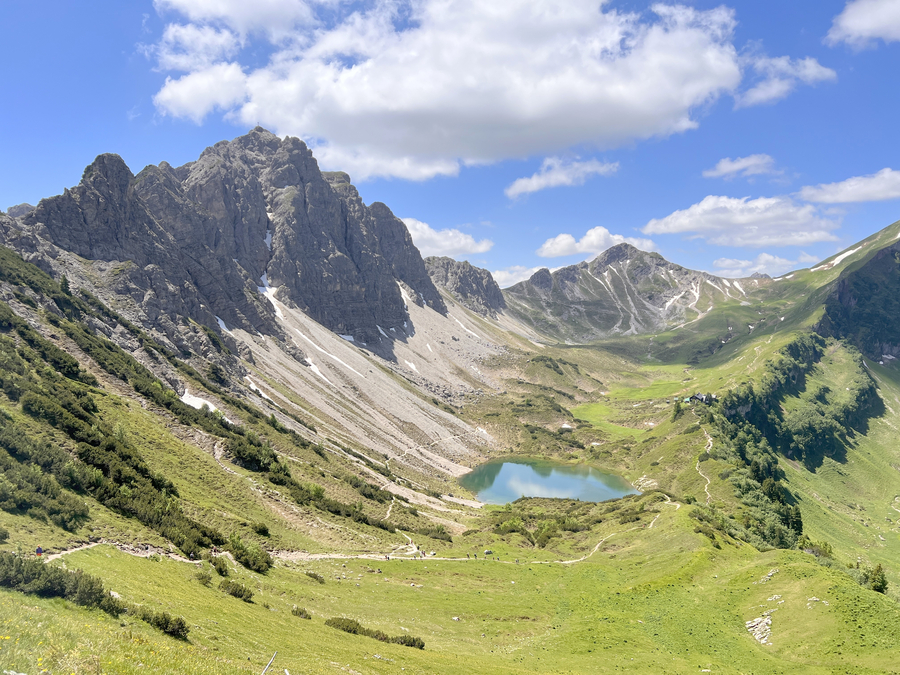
765,522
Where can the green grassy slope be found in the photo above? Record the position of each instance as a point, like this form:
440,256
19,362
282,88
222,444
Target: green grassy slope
656,583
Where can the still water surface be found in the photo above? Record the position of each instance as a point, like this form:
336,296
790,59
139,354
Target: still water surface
503,481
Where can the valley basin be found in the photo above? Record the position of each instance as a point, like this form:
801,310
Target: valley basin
504,480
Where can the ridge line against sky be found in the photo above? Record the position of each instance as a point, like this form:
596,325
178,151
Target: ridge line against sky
739,137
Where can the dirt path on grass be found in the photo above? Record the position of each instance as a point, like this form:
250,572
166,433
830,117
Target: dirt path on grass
709,444
668,502
139,551
409,551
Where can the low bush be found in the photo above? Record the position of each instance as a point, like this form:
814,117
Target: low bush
300,612
33,577
220,565
237,590
171,625
355,628
316,577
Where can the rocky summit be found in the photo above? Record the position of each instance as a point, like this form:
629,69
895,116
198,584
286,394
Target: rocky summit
200,240
473,287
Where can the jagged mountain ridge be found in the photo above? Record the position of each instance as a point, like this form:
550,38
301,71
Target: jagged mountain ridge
204,237
623,291
472,286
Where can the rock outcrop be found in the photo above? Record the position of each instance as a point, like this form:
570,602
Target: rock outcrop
19,210
471,286
200,240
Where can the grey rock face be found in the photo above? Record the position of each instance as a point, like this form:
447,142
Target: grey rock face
19,210
199,238
473,287
623,291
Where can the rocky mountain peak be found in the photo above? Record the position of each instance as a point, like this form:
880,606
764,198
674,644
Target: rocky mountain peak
199,238
542,279
472,286
622,291
19,210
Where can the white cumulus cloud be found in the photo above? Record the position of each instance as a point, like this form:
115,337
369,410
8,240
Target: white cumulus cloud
274,17
779,77
449,242
752,165
754,223
864,21
191,47
876,187
417,89
556,172
513,275
764,263
219,86
595,241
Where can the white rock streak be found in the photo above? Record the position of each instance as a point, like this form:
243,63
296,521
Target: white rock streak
269,292
328,354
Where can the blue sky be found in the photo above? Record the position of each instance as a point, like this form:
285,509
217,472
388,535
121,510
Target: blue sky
748,136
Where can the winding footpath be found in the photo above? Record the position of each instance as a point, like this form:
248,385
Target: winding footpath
397,553
709,444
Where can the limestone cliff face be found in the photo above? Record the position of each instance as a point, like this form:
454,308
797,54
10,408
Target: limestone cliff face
473,287
200,239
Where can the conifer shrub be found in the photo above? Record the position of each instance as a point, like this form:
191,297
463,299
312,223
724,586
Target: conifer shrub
237,590
355,628
220,565
250,556
171,625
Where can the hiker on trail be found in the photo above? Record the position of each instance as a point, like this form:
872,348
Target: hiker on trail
467,555
39,551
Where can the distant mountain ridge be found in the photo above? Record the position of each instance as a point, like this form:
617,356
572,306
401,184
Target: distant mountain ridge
623,291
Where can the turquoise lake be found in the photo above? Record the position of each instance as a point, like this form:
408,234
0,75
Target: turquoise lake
504,481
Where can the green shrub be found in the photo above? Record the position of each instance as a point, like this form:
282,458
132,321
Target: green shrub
300,612
48,581
316,577
250,556
174,626
237,590
220,565
355,628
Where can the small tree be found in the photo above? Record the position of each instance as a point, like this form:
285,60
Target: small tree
878,579
676,411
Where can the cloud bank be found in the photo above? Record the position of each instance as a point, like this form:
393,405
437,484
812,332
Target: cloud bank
864,21
415,89
745,222
449,242
876,187
595,241
764,263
